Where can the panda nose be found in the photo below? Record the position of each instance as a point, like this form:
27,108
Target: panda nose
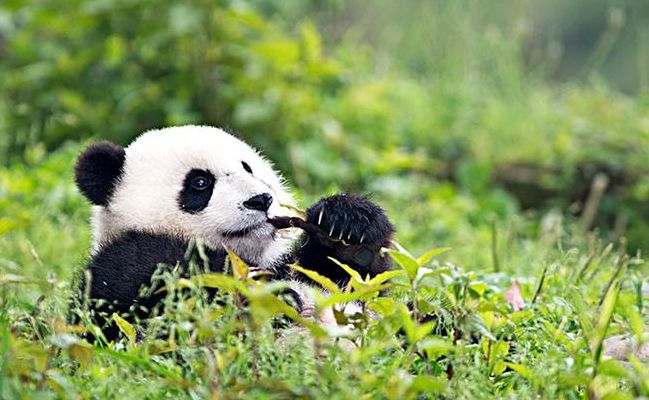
259,202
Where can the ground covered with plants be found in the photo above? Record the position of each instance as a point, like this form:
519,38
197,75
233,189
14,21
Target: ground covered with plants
520,200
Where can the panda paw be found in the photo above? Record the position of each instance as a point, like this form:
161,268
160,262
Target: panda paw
352,220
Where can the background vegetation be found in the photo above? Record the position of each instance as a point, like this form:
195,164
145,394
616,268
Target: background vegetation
515,132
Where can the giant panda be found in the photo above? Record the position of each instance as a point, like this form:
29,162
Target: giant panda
174,185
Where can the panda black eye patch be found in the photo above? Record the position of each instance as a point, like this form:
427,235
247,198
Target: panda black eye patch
197,191
246,167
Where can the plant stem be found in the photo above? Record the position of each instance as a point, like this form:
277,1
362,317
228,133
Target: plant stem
494,245
540,287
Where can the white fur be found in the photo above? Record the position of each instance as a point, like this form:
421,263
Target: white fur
146,196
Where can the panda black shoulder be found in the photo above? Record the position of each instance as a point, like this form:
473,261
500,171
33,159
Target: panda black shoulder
119,269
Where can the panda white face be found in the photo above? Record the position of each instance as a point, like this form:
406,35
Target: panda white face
193,182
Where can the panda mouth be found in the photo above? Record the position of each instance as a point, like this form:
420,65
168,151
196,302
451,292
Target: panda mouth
242,232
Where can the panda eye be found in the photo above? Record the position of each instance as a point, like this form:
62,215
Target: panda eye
200,183
246,167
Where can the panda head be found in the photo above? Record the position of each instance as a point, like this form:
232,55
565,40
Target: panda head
189,182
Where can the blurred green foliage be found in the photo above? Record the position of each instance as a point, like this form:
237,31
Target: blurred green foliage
432,93
75,69
507,131
558,40
440,91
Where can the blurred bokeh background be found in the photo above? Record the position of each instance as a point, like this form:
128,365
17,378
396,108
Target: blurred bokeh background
501,125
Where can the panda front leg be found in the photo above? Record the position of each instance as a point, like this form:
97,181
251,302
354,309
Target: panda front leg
349,228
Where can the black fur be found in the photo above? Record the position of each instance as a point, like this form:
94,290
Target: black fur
353,231
197,191
121,269
98,170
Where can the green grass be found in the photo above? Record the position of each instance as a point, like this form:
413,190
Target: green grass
549,348
448,112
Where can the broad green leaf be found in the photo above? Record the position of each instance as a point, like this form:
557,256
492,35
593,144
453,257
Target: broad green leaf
489,318
402,250
495,349
239,267
436,345
428,384
352,272
424,329
384,306
81,352
498,368
125,327
220,281
385,276
364,294
406,320
406,262
427,256
478,287
521,369
414,330
316,277
274,306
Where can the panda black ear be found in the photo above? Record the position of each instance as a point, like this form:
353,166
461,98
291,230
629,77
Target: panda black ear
97,171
